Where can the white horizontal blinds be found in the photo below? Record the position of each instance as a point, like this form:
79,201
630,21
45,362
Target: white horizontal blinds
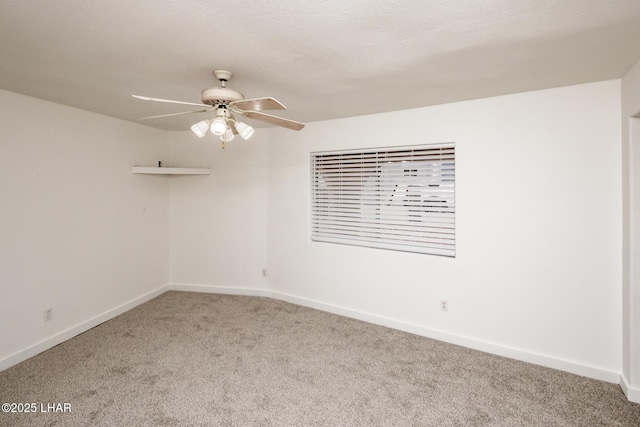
394,198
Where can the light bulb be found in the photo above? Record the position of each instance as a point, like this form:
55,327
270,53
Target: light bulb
218,126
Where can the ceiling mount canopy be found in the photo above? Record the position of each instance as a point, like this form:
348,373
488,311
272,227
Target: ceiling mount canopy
226,102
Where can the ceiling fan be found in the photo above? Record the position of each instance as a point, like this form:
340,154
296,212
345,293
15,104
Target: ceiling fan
225,102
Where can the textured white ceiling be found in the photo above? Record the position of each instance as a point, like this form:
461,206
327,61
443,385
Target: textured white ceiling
322,59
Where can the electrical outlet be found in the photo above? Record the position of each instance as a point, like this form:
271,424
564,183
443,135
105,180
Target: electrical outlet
444,305
265,272
48,314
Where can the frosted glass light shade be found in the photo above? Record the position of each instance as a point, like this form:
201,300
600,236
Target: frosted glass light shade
244,130
218,126
228,135
200,128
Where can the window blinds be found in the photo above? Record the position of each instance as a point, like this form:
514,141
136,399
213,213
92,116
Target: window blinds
400,198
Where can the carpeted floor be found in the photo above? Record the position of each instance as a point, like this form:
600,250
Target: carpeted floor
189,359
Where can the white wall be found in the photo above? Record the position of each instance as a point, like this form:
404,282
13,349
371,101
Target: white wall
78,232
631,233
538,210
539,224
219,221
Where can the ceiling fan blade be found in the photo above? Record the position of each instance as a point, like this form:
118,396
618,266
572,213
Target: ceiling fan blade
174,114
278,121
258,104
170,101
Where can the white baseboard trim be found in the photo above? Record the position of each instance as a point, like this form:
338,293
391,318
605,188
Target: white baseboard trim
487,347
632,393
60,337
227,290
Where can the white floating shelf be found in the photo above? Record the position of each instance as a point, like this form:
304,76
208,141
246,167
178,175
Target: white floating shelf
170,171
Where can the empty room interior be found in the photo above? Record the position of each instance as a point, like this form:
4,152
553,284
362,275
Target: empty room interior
154,272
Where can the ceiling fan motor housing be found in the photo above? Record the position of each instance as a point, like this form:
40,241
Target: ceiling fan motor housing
220,95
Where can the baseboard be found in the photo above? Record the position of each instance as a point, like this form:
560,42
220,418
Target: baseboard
632,393
227,290
60,337
488,347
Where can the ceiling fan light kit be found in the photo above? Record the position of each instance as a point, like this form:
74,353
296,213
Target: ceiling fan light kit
225,102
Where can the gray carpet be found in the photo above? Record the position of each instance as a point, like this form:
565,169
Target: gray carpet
189,359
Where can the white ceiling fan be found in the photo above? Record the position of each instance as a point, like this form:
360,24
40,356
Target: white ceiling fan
225,102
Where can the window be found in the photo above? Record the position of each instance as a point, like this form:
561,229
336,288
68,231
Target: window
399,198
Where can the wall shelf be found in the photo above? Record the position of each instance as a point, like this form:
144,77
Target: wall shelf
170,171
